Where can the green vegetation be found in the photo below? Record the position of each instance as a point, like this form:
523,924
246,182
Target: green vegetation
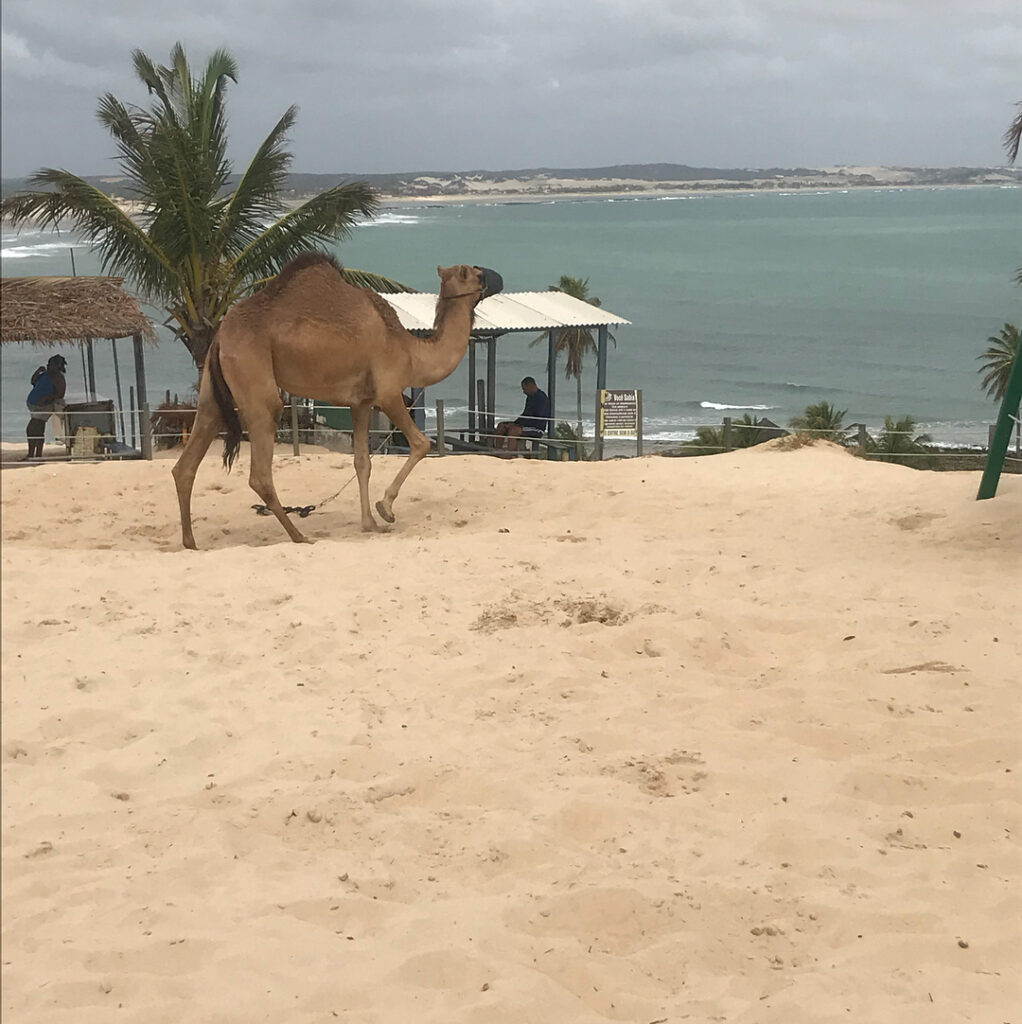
744,433
899,443
998,360
198,244
824,421
572,435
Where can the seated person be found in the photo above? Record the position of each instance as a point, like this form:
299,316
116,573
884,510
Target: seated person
533,422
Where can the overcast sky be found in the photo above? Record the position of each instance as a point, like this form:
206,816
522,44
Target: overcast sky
397,85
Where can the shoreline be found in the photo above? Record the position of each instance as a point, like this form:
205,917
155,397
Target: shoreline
537,194
530,197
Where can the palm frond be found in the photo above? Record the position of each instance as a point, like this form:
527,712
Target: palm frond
1013,136
124,247
319,221
257,195
374,282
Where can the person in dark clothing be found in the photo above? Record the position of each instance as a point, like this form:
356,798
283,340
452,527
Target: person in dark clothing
46,397
533,422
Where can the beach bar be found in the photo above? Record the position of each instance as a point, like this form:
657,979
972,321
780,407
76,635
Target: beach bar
50,311
497,317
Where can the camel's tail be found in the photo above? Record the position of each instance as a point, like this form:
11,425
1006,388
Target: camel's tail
224,398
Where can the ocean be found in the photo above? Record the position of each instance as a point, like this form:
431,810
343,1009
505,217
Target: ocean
878,301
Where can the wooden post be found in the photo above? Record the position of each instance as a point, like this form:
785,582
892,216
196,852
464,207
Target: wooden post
295,446
145,429
472,422
727,433
484,428
131,412
441,442
863,440
638,422
598,435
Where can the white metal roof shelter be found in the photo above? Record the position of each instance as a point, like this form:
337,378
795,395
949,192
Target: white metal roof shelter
509,313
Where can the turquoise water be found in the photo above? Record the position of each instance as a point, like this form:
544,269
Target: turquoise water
877,301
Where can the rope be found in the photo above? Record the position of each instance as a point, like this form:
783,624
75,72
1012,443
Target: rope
304,511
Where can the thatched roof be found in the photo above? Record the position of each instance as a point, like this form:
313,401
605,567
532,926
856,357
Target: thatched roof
53,310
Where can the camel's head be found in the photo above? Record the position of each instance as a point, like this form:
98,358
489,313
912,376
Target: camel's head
463,280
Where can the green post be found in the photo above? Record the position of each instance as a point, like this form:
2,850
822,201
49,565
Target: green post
1002,432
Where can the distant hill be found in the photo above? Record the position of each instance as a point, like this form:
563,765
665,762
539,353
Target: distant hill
535,181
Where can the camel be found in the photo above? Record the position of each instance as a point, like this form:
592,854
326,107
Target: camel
312,334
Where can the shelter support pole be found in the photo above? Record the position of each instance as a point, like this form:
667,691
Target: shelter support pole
117,381
419,407
145,428
90,356
484,432
601,384
491,384
131,412
553,336
472,390
441,441
1010,408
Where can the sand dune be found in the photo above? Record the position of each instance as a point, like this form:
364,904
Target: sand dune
721,739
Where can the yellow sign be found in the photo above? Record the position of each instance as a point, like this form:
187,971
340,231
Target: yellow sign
619,413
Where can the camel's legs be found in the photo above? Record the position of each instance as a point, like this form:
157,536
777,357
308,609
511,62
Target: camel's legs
208,422
418,445
360,415
262,430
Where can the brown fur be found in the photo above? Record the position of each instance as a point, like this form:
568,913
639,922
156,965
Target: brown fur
312,334
290,270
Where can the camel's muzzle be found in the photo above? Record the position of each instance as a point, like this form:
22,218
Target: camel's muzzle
493,283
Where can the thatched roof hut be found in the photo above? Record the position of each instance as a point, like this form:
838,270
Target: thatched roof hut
62,310
57,310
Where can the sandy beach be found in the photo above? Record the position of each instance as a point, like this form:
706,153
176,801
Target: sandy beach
729,739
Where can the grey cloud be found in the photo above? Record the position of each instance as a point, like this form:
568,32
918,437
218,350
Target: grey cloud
408,84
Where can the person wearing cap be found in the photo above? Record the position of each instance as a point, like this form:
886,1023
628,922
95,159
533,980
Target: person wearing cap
45,398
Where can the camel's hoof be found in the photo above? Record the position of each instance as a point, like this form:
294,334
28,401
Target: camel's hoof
189,544
302,539
384,514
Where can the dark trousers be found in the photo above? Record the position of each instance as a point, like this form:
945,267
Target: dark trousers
35,431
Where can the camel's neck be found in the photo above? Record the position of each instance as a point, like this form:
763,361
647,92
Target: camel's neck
438,356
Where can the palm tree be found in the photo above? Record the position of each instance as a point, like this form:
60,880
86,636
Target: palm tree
741,435
896,442
197,245
999,359
1012,140
822,418
576,342
1013,136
